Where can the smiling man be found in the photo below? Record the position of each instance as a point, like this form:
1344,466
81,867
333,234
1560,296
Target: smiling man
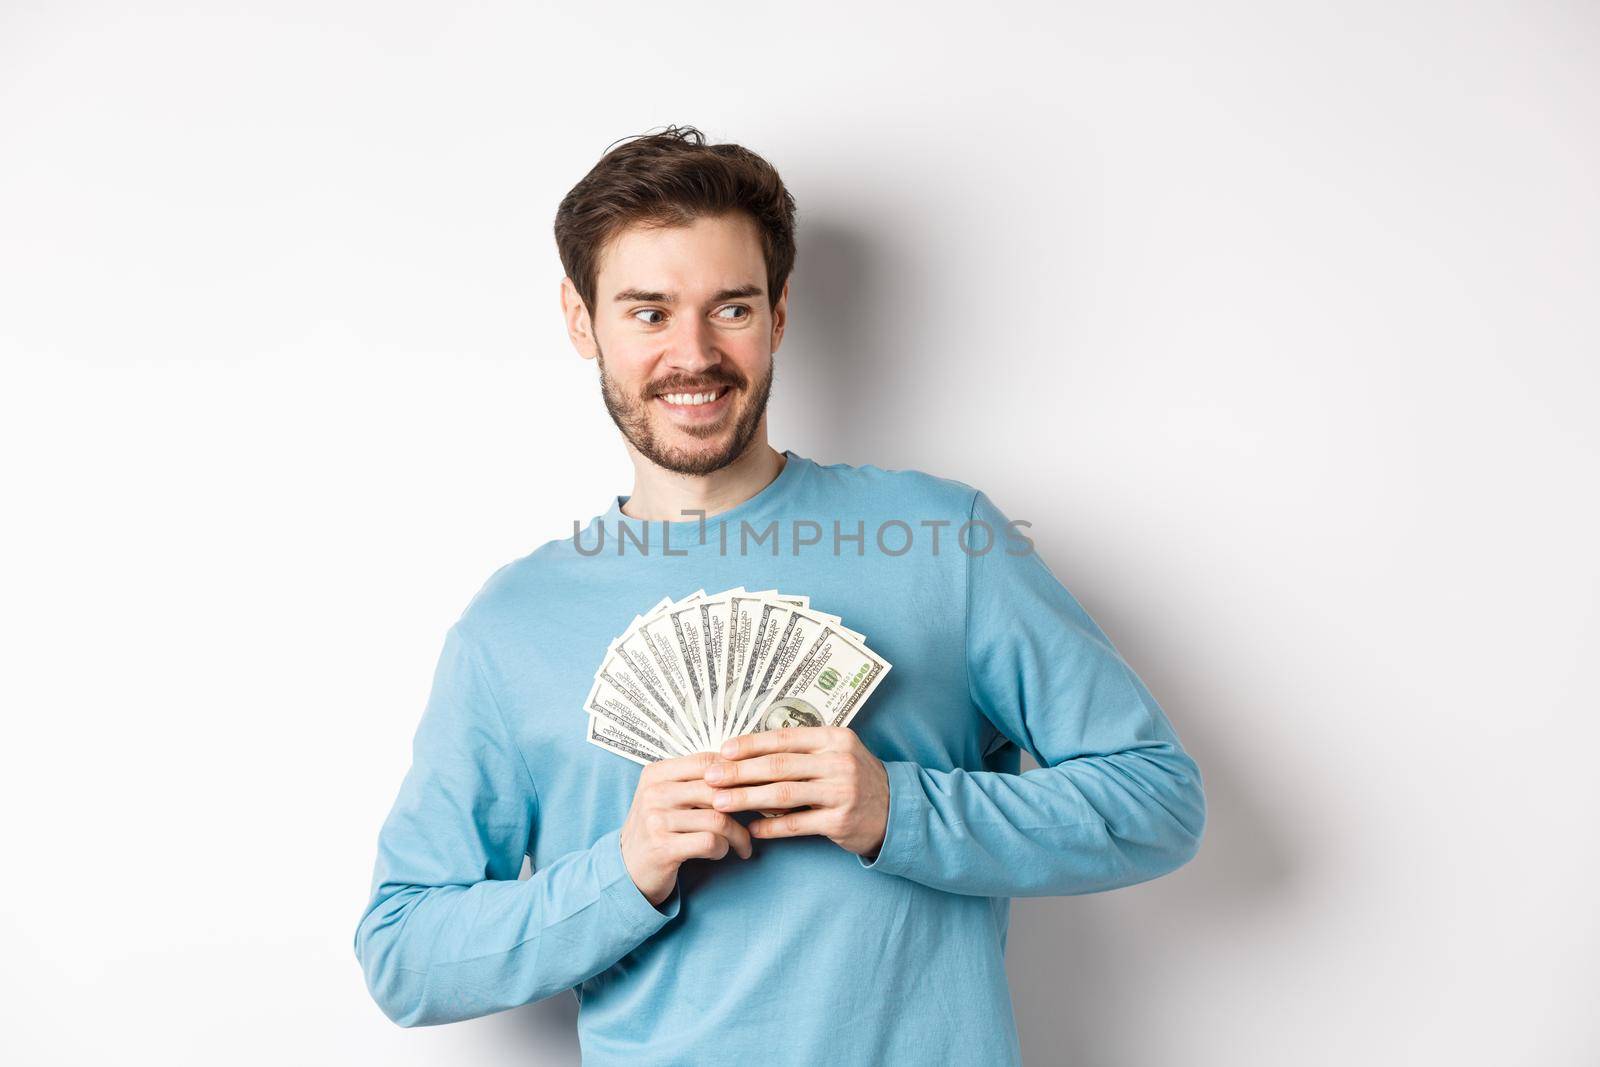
863,920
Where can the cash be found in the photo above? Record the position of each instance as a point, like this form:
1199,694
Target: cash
691,673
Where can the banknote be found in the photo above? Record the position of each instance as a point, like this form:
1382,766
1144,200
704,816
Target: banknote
687,674
827,687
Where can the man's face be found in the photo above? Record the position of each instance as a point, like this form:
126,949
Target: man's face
684,338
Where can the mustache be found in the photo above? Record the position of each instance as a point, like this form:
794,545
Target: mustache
704,384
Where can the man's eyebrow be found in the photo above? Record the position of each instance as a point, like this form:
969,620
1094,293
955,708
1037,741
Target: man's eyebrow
654,297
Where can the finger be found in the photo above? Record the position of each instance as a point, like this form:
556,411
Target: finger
788,739
793,824
679,768
698,844
689,820
695,793
778,767
771,797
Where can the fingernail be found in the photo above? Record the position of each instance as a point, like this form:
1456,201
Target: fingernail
722,800
716,772
730,748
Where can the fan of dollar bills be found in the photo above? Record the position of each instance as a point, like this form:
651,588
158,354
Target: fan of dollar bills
692,673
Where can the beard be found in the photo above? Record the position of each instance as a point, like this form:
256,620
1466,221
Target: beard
632,416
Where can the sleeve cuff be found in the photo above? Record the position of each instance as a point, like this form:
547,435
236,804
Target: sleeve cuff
640,917
903,838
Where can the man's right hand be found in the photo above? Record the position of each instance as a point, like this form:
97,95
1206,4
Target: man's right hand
672,820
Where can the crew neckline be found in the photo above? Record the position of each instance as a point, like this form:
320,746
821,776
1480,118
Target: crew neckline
684,533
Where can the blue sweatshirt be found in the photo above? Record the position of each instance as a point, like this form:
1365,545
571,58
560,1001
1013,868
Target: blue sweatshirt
805,953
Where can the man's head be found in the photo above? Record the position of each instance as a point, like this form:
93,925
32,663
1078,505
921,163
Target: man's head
678,256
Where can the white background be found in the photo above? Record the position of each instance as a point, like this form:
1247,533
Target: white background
1278,321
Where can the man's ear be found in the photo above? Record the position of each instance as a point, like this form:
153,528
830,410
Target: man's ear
580,327
780,316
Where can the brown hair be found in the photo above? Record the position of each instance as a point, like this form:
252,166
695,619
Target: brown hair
670,179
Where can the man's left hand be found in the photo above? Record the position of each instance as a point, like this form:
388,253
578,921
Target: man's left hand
826,767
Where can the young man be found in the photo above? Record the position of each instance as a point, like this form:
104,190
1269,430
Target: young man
863,920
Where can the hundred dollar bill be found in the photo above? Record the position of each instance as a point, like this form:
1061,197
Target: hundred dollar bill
750,635
744,611
613,739
799,629
631,657
766,626
796,600
799,600
838,624
659,635
713,625
690,673
619,699
686,646
743,633
826,688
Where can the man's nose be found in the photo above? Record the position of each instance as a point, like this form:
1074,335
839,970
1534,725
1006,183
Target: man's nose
691,345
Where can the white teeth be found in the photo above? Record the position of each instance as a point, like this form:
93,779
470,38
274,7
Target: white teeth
689,399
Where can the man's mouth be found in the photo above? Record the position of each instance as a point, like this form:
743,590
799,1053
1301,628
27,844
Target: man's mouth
697,405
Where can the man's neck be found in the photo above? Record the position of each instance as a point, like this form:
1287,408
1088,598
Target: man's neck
663,494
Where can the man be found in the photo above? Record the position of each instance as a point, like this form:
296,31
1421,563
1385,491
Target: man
862,921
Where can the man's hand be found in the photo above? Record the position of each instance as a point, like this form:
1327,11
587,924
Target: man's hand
826,767
671,820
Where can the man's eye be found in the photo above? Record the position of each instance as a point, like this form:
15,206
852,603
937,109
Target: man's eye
720,314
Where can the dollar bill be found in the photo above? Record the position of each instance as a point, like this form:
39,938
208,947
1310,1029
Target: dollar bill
688,674
619,699
614,739
827,687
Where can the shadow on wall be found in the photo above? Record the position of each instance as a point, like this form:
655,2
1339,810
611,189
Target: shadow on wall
1088,973
544,1034
850,344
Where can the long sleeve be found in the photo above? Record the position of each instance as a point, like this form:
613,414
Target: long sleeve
1114,801
449,931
